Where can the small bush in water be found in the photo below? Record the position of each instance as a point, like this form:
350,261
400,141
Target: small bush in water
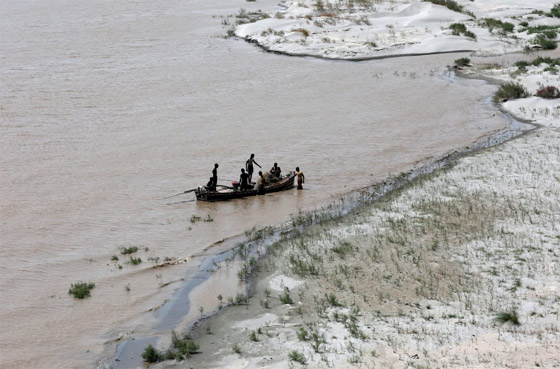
80,290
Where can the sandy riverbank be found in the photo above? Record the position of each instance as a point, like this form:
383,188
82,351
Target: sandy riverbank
458,269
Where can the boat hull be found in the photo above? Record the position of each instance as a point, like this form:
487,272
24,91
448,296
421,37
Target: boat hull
285,183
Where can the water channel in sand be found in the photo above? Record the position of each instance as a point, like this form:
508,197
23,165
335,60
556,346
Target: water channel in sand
106,107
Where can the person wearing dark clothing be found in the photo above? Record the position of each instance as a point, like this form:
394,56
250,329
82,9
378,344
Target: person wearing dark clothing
249,166
210,185
215,174
244,180
275,170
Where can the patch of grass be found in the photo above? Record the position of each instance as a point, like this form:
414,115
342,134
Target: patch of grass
302,334
181,347
343,248
545,43
297,357
80,290
510,91
236,349
555,11
114,258
508,316
491,23
285,298
302,267
129,250
332,300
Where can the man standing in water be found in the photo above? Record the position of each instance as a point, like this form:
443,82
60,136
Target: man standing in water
249,166
300,179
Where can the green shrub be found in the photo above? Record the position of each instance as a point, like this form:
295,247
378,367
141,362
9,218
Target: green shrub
462,62
509,91
152,355
80,290
458,28
509,316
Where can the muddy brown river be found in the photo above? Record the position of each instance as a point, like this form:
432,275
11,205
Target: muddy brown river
108,106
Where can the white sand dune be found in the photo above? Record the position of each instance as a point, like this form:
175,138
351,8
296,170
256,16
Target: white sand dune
379,29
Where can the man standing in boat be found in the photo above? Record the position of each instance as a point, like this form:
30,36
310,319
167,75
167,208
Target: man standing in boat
244,180
249,166
214,178
300,179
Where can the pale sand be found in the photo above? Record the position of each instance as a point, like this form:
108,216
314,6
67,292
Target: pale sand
421,276
418,279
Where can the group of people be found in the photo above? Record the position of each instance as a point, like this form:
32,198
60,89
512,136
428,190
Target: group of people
246,176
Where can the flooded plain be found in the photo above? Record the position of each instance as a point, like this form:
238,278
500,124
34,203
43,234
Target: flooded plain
108,107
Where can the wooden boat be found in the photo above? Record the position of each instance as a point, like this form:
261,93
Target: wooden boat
284,183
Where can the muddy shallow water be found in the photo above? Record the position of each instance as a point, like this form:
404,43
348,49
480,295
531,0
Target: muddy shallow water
108,107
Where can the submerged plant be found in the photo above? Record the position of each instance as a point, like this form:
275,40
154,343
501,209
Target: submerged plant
80,290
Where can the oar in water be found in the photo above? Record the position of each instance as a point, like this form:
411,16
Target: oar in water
180,193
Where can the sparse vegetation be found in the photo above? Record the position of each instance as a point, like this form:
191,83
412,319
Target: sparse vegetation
548,92
152,355
545,43
81,290
504,27
128,250
509,91
297,356
463,62
509,316
135,261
